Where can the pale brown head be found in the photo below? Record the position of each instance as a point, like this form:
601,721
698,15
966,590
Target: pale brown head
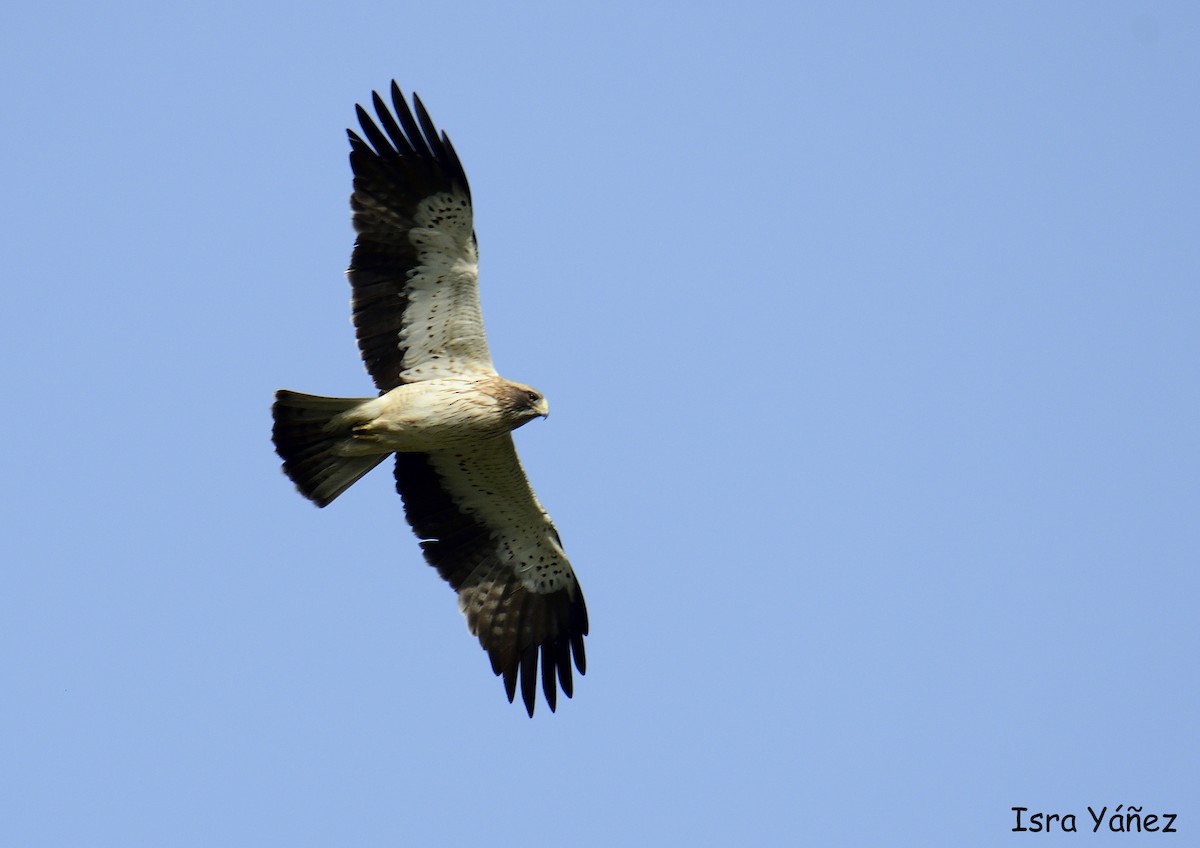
524,402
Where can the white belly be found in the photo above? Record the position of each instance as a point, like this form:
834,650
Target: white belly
421,417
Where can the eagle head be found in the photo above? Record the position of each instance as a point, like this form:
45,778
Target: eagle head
524,403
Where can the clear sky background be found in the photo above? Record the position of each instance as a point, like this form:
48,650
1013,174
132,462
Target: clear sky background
871,336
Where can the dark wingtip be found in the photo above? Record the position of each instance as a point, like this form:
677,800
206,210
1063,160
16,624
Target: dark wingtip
510,683
549,686
363,116
529,678
577,649
562,661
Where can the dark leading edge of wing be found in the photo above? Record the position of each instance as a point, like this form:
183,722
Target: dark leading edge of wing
514,625
404,163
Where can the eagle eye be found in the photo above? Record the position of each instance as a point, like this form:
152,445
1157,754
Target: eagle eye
533,396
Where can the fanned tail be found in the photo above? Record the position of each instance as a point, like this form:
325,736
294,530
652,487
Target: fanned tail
307,440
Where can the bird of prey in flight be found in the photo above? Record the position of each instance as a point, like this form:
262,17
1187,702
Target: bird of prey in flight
443,411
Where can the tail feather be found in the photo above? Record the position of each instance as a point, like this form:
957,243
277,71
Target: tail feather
307,440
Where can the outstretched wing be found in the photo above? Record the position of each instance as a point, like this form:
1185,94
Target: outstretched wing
483,529
414,270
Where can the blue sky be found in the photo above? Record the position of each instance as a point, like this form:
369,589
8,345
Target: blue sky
871,334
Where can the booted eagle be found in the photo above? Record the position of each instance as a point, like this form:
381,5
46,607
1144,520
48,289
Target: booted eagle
442,409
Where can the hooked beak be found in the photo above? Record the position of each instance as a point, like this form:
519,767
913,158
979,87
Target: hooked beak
542,408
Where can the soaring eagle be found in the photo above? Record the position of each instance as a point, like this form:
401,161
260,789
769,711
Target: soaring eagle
442,409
